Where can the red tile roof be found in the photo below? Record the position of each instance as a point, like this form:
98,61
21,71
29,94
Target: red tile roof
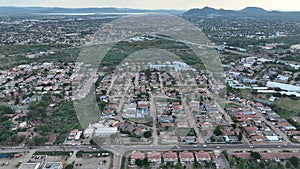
153,155
202,155
170,155
137,155
186,155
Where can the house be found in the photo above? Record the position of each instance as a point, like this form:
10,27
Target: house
136,155
154,157
202,156
167,125
72,134
231,139
188,139
182,124
165,119
251,130
51,139
170,157
186,157
167,137
258,138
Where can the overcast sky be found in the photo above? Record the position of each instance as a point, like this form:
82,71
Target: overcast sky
289,5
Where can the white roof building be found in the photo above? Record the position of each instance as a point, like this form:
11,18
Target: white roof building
272,138
283,86
105,131
30,166
53,165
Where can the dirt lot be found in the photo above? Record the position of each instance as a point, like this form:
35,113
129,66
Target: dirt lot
92,163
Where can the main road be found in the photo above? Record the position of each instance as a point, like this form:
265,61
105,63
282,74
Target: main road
119,150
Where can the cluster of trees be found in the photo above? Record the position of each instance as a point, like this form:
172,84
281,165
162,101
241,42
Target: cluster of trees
60,122
8,137
38,109
123,49
240,163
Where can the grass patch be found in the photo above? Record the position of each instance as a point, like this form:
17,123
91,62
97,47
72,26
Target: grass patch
285,113
185,132
288,104
54,153
169,100
144,120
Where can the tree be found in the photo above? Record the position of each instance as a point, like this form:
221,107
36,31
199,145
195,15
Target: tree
196,164
147,134
178,166
240,136
218,131
255,155
294,161
139,162
212,139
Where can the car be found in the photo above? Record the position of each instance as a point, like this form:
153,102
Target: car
218,147
250,146
279,146
94,148
204,145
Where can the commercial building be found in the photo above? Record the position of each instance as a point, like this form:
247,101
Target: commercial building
53,165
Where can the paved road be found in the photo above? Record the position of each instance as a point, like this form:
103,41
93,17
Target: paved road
192,121
120,149
124,148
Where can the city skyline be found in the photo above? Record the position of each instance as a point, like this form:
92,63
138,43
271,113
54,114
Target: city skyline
289,5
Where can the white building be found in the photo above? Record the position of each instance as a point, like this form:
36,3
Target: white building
283,86
29,166
53,165
105,131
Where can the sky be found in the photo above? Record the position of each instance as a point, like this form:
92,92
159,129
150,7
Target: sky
286,5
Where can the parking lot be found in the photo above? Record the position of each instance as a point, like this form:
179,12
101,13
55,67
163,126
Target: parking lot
92,163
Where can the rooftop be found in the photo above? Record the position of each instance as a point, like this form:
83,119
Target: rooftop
30,166
53,165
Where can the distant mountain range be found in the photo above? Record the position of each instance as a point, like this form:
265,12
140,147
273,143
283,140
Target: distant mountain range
247,12
44,10
206,11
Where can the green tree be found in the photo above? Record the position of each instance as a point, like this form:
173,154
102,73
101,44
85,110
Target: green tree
148,134
294,161
255,155
240,136
178,166
196,165
139,162
218,131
